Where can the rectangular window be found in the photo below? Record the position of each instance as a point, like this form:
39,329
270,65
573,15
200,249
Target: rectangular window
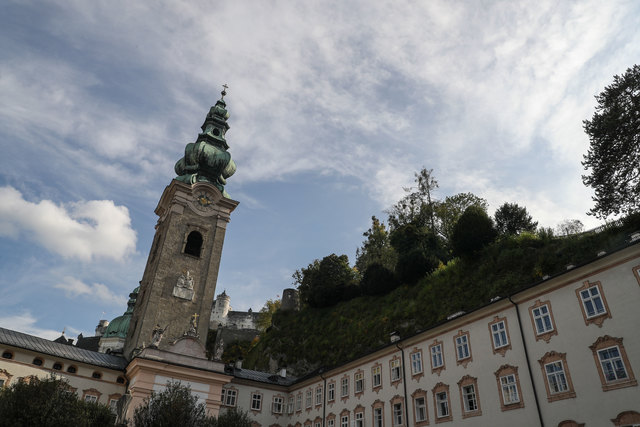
376,374
377,417
359,419
416,363
395,370
344,421
113,405
277,405
556,377
421,409
330,423
299,402
317,424
318,395
462,347
308,399
442,404
256,401
359,380
542,319
331,392
509,389
469,398
91,398
230,399
499,333
397,414
344,387
290,405
612,364
592,301
436,356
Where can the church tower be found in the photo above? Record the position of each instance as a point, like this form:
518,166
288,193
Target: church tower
179,282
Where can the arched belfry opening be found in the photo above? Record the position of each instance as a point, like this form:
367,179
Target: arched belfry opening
193,246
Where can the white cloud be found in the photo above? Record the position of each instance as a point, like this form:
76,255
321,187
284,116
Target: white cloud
82,230
26,323
97,291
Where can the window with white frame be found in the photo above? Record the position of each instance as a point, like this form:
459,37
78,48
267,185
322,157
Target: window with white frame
290,405
416,363
612,364
308,400
331,392
420,405
462,347
592,302
397,414
436,356
230,397
318,395
91,398
256,401
359,418
330,422
499,334
469,398
113,405
344,421
509,389
276,406
344,387
556,377
359,382
317,424
542,319
377,417
299,402
376,376
395,370
442,404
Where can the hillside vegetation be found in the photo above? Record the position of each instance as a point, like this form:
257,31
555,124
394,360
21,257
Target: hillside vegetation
327,336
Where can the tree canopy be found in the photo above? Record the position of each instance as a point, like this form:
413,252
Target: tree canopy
324,283
49,402
173,406
451,208
512,219
473,231
613,158
376,249
418,206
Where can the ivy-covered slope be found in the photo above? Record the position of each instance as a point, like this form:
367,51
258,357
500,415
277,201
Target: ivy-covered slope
329,336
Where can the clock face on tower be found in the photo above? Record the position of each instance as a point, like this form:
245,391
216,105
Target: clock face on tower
204,201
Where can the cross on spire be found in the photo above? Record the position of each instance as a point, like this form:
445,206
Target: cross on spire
224,90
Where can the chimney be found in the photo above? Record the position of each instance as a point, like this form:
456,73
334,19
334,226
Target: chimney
283,372
394,336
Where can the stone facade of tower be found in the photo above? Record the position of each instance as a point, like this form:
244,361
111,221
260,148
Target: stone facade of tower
182,269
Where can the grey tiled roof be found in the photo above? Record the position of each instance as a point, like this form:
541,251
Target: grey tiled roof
41,345
263,377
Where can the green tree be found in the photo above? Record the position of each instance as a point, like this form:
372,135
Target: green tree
376,249
232,417
49,402
512,219
613,158
326,282
473,231
451,208
266,313
418,206
174,406
377,280
419,252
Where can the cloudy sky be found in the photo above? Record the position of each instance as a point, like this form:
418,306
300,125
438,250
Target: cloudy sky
334,105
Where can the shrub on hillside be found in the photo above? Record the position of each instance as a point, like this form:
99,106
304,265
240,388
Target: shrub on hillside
473,231
378,280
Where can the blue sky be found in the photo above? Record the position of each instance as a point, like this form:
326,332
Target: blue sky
334,105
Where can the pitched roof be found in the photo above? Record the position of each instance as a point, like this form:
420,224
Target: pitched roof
41,345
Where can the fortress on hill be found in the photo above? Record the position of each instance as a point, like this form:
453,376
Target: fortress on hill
562,352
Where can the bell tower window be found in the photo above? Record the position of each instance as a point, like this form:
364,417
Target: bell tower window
194,244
